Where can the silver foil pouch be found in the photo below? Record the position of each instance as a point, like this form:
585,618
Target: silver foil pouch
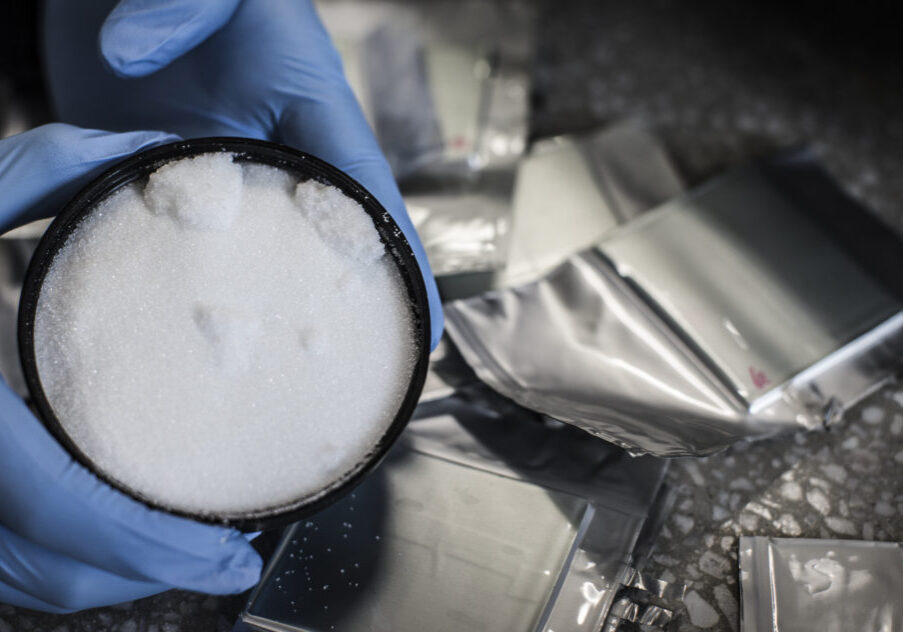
444,84
570,191
762,302
464,227
826,585
509,227
483,517
445,87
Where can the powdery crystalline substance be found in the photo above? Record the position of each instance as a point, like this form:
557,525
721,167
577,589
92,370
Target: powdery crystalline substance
202,192
233,335
339,221
224,366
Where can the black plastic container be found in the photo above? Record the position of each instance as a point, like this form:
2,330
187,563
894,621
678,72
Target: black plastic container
305,167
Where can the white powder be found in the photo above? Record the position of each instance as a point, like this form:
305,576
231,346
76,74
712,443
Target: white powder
225,339
202,192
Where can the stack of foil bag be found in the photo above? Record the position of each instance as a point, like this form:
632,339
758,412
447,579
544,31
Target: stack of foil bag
762,302
584,283
585,290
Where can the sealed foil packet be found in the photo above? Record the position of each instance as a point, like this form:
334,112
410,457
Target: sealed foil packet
827,585
483,517
444,84
763,302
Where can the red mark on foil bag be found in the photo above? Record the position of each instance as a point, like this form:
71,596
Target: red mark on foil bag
759,379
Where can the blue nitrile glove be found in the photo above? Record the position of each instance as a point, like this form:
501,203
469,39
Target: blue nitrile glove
259,68
69,541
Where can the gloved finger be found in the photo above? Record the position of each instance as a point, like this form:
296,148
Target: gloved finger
48,499
42,168
142,36
332,127
33,577
13,597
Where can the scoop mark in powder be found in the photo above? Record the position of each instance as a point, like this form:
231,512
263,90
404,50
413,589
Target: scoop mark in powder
232,335
313,340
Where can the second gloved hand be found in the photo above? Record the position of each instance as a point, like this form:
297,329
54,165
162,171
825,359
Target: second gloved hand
69,541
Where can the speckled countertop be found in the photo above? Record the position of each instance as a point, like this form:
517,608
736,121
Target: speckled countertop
845,483
720,82
721,85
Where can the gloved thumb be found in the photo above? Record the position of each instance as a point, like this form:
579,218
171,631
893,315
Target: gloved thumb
141,36
42,168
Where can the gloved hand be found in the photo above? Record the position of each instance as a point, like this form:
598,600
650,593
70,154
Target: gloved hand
257,68
68,541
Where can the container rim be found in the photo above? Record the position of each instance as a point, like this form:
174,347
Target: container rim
306,167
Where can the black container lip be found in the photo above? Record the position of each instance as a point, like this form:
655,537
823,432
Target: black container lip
306,167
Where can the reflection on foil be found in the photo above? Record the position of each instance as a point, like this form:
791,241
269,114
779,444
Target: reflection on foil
423,544
739,256
765,301
463,225
485,516
825,585
572,190
607,365
502,228
817,575
444,84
